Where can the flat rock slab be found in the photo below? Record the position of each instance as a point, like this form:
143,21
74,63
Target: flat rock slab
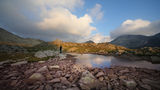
19,63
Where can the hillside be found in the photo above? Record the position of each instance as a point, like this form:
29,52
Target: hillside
89,47
12,39
137,41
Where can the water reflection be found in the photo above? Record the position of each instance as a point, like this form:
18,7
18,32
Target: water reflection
100,61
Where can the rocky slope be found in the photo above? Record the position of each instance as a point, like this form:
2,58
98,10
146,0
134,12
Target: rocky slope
137,41
56,74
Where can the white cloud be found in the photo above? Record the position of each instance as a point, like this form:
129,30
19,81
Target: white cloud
98,38
63,21
45,19
136,27
96,12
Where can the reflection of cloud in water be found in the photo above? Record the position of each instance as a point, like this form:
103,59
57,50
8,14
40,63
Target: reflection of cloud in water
91,60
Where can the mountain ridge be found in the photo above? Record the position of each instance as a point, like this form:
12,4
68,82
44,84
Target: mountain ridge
137,41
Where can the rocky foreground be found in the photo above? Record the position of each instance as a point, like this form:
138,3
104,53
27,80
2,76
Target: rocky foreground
56,74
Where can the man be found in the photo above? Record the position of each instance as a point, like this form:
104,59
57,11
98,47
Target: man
60,49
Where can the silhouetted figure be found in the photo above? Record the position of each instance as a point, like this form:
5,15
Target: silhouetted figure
60,49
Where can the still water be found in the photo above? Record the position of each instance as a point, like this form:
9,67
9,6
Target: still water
101,61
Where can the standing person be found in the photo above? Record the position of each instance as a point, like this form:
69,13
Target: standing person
60,49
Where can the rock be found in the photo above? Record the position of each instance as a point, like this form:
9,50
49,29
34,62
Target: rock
43,69
147,87
14,82
56,80
65,81
73,88
62,56
53,67
155,84
109,87
5,62
48,87
41,61
122,77
19,63
99,74
88,81
48,76
101,78
130,83
41,87
30,71
67,75
40,54
48,53
36,77
104,88
124,71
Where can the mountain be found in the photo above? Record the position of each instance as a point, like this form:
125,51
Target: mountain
90,41
137,41
12,39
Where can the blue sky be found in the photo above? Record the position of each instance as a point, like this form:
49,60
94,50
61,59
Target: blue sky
80,20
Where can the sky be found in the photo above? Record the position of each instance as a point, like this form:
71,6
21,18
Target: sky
80,20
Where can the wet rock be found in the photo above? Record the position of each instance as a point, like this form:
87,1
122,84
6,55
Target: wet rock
48,87
56,80
99,74
53,67
88,81
130,83
19,63
43,69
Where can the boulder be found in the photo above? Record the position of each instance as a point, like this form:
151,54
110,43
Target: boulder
88,81
65,81
99,74
56,80
35,77
53,67
129,83
19,63
62,56
40,54
43,69
41,61
48,87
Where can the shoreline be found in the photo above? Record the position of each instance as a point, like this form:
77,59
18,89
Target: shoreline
55,74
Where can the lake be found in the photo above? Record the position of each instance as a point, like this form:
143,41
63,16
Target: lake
101,61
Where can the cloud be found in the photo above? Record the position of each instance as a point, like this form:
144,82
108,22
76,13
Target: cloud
45,19
96,12
98,38
136,27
